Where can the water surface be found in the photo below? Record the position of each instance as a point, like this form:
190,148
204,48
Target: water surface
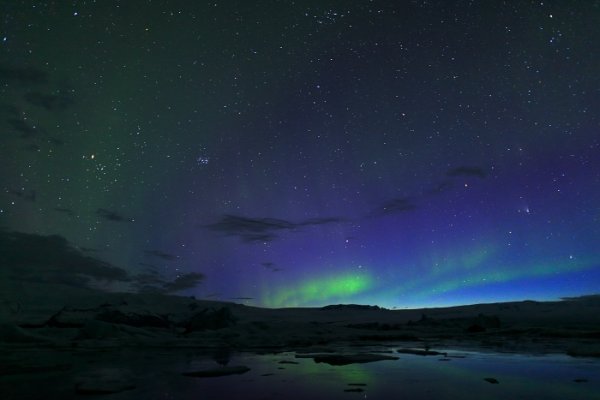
156,374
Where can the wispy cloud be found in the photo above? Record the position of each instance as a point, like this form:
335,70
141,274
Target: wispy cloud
27,131
183,282
271,266
113,216
161,255
410,203
50,102
394,206
262,229
154,282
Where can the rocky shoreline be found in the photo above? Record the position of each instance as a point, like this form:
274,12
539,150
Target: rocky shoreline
157,321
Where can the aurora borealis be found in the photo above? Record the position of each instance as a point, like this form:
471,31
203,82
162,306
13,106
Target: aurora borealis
304,153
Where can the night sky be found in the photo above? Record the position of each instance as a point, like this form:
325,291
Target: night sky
281,153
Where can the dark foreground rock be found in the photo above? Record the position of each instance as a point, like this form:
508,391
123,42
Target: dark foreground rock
11,333
345,359
420,352
211,373
133,319
584,350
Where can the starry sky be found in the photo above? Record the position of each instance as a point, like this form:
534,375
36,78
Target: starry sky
303,153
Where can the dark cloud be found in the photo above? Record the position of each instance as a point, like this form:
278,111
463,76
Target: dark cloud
467,171
257,237
51,259
183,282
27,131
152,281
160,254
237,225
262,229
241,298
271,266
23,75
410,203
394,206
112,215
51,102
25,195
321,221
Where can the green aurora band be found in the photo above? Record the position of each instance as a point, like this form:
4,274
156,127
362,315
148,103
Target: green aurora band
317,291
482,275
474,268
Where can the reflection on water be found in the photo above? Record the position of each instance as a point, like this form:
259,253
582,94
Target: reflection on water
157,375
